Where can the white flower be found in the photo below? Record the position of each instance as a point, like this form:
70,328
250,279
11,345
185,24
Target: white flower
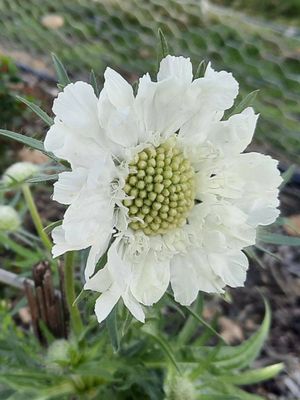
160,180
19,172
9,219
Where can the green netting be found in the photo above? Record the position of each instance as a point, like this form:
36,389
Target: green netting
123,34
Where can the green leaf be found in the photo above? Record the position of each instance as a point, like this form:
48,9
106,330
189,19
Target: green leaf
238,357
51,226
27,141
191,324
112,328
250,252
61,72
254,376
43,178
277,238
93,82
149,329
18,249
287,176
201,69
163,44
37,110
246,102
204,323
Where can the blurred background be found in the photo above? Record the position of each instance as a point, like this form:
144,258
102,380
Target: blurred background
257,40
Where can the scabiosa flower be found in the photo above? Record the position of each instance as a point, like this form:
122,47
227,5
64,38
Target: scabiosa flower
160,182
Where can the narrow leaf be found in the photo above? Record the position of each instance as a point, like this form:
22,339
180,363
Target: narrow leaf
61,72
93,82
237,357
204,323
287,176
49,228
246,102
28,141
149,330
191,324
43,178
201,69
163,43
37,110
254,376
112,328
277,238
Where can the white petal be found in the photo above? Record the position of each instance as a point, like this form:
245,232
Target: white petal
150,280
61,246
102,239
219,88
233,136
76,107
106,302
69,184
90,213
231,267
192,273
161,106
100,282
118,90
175,67
208,97
259,198
120,125
184,279
133,306
72,145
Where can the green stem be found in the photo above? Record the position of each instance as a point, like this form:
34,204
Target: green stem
76,322
191,324
36,217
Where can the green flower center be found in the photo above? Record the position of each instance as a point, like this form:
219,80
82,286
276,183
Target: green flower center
162,189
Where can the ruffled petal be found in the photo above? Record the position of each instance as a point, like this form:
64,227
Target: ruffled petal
106,302
231,267
208,98
118,90
76,107
162,107
102,239
233,136
133,306
88,215
184,279
100,282
190,273
69,184
176,67
73,146
150,280
61,246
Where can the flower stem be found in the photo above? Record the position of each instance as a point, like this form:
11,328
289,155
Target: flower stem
191,324
76,322
36,217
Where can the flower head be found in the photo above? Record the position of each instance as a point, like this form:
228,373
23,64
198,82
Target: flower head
160,181
9,219
19,172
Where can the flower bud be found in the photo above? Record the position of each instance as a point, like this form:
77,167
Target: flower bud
19,172
58,352
179,388
9,219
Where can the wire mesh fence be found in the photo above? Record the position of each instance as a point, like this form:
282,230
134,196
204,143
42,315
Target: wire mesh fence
89,34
